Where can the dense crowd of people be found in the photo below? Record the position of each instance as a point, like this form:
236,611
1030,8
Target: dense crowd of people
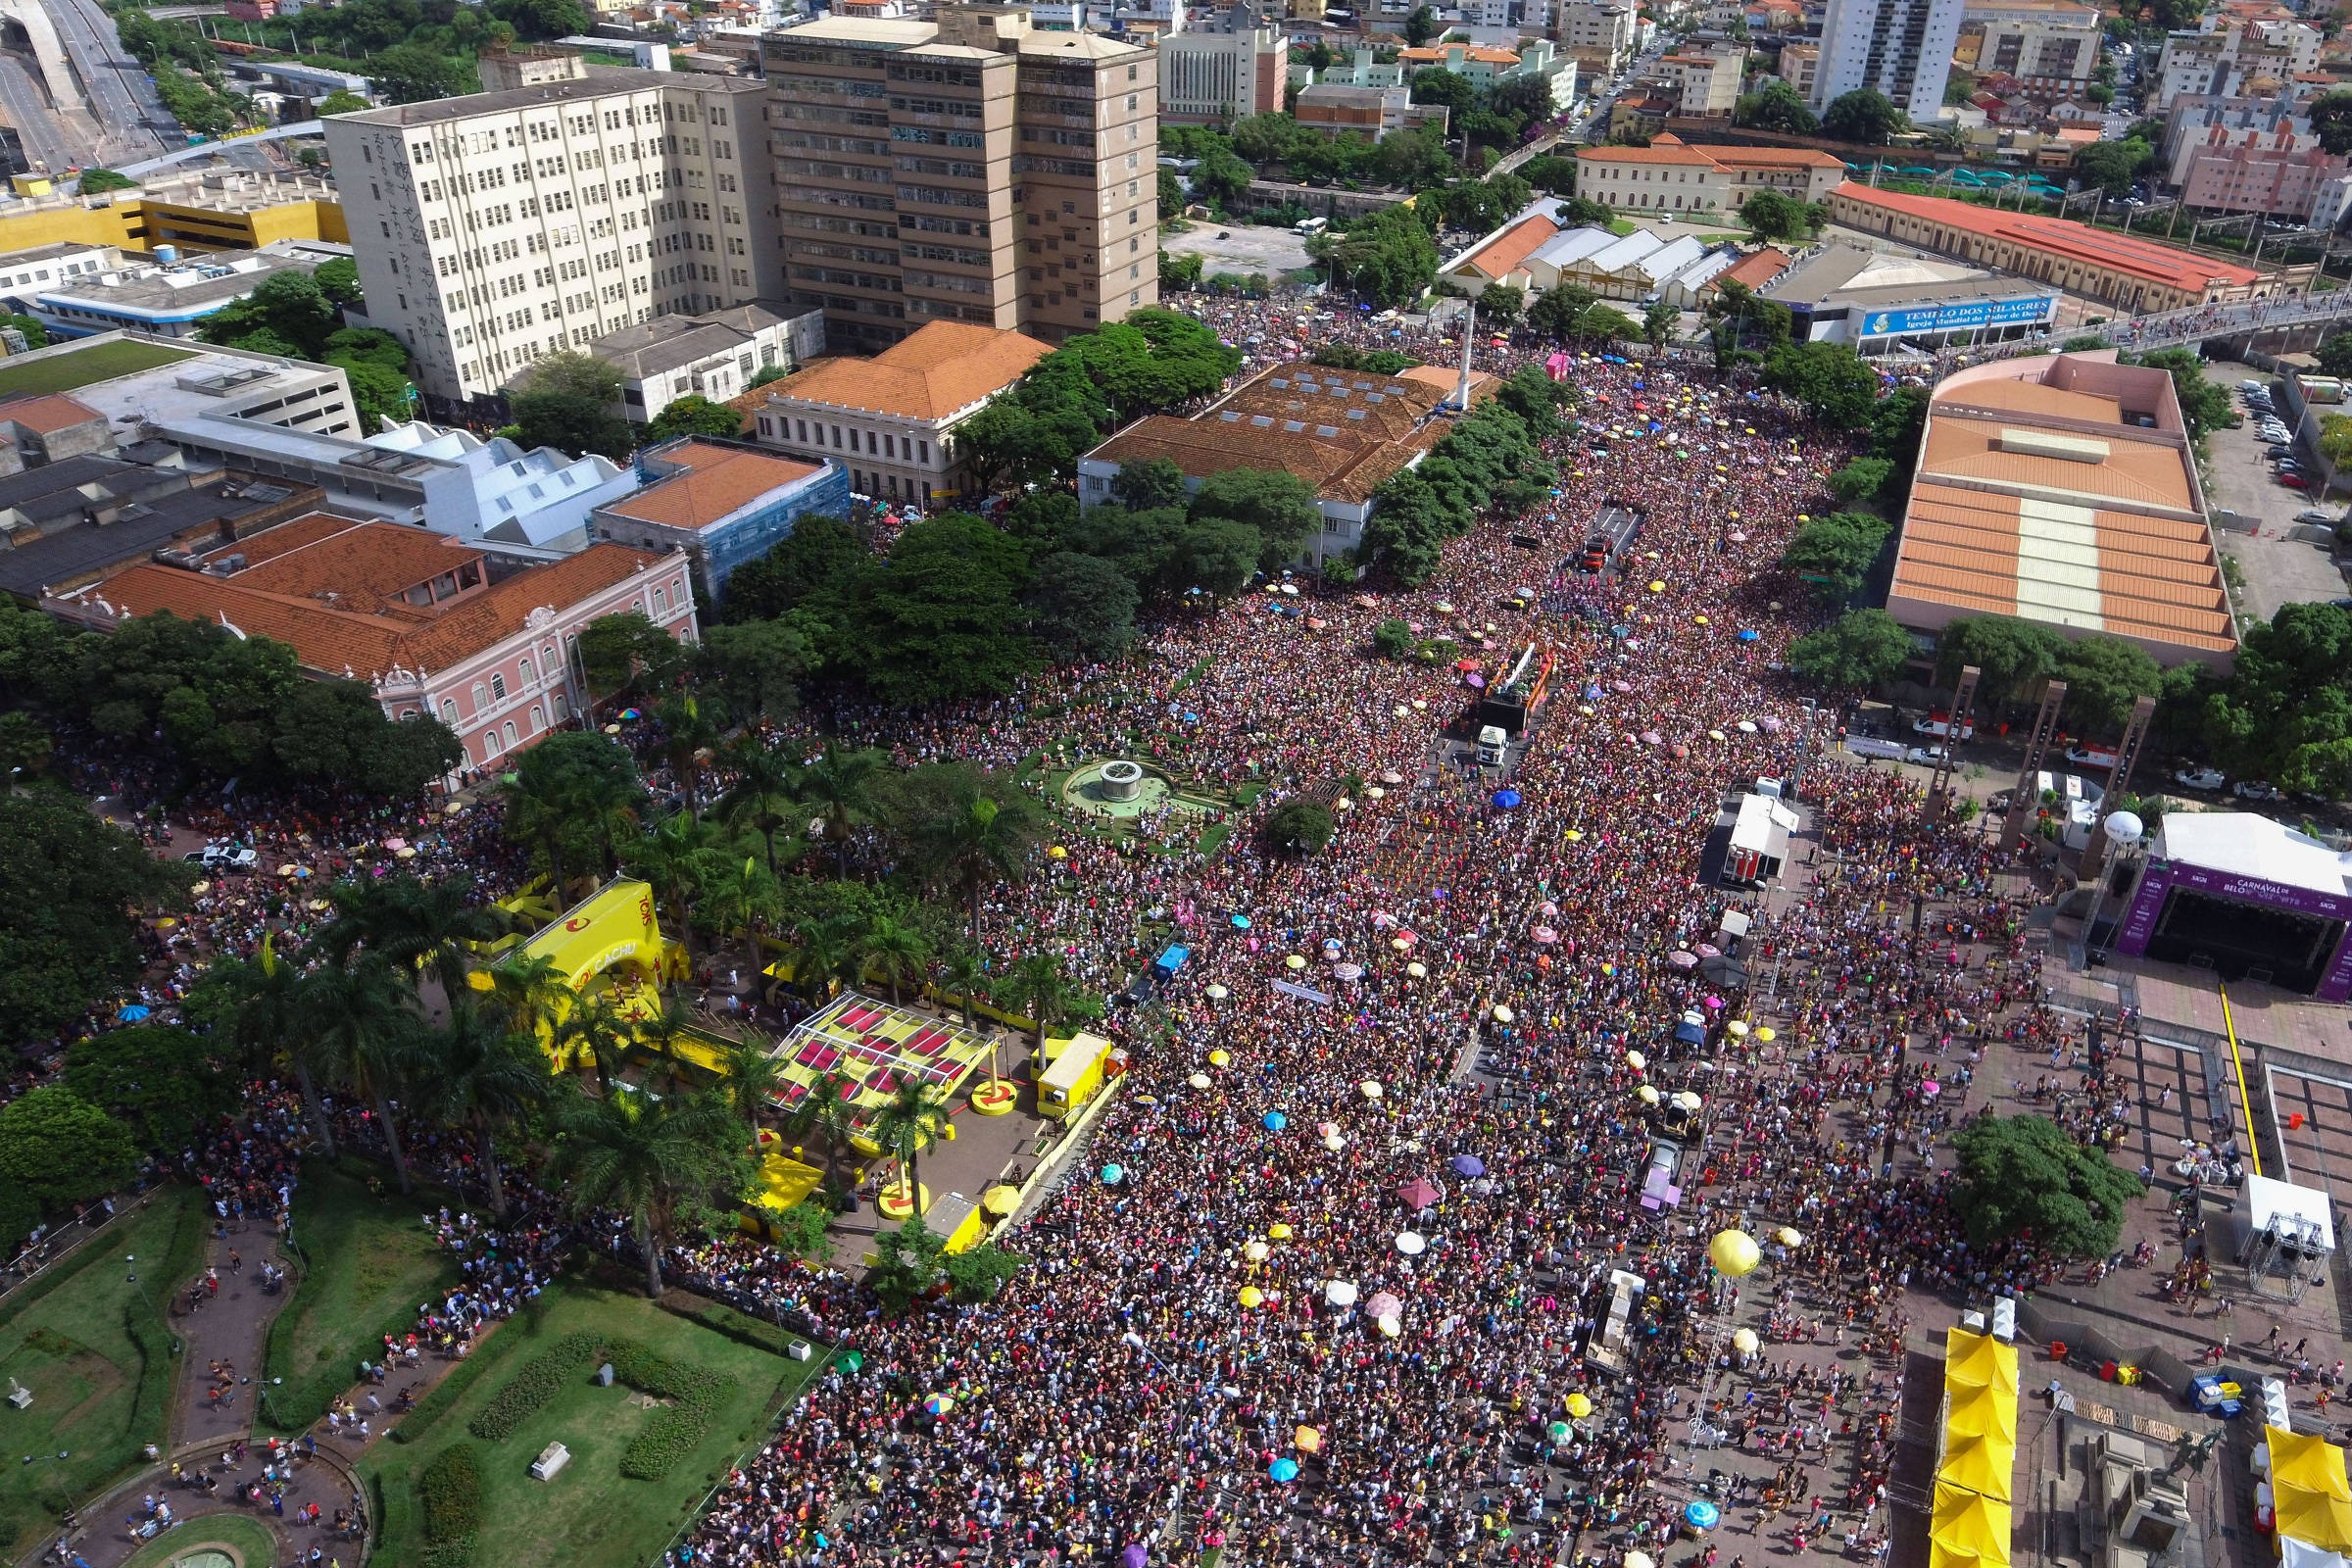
1428,1162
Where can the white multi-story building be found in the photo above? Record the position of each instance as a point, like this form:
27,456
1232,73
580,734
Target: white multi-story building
1902,48
1594,28
1234,67
2223,58
495,229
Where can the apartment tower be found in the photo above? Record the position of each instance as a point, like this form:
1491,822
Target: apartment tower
971,169
494,229
1902,48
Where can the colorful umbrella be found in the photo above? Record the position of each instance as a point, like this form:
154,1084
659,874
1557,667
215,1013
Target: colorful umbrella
1419,1193
1468,1165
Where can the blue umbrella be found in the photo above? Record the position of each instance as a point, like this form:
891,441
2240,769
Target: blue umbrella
1240,922
1504,799
1276,1121
1592,693
1284,1470
133,1013
1702,1514
1112,1175
1468,1165
1750,635
1619,631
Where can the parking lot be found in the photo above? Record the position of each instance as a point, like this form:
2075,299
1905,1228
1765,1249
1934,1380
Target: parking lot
2285,562
1238,248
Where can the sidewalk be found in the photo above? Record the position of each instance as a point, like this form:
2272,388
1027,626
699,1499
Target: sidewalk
230,1328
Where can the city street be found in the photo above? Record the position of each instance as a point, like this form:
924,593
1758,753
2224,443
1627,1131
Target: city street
47,142
118,90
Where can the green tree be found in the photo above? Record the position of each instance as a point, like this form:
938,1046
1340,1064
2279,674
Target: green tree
679,856
800,1230
1434,85
171,1085
411,73
338,279
1274,504
750,1075
909,1122
826,1111
625,652
1157,482
576,796
412,924
976,837
815,558
70,889
342,101
978,1273
1393,638
2113,165
383,397
755,668
1659,323
1772,215
2013,657
290,304
1829,379
359,1028
2104,676
940,619
647,1159
1861,651
1500,305
1039,991
896,950
2027,1178
1081,607
1388,258
56,1148
1833,553
1864,116
568,401
1420,26
765,794
1171,194
483,1077
97,181
907,1265
747,897
694,414
36,336
1299,826
840,786
1862,480
2332,120
1774,106
1006,445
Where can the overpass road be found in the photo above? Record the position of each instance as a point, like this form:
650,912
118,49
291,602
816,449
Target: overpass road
48,143
131,117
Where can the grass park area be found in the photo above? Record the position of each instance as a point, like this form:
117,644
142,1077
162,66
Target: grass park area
367,1262
590,1514
102,362
93,1347
248,1540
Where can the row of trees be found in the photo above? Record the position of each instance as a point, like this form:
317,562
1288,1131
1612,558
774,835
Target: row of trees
214,703
299,316
1493,457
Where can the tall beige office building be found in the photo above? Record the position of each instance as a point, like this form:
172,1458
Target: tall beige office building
971,169
496,229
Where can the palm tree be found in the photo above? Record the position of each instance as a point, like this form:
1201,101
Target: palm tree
266,1014
907,1125
412,924
358,1027
894,949
979,842
751,1072
761,798
962,974
693,727
537,808
745,896
593,1033
644,1156
826,1110
483,1076
1037,988
678,857
529,988
610,804
824,951
839,787
664,1029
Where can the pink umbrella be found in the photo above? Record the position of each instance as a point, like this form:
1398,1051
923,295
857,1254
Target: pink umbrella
1547,908
396,844
1405,937
1383,918
1931,1088
1680,751
1708,950
1419,1193
1547,935
1737,537
1681,960
1622,685
1384,1304
1714,1002
1651,737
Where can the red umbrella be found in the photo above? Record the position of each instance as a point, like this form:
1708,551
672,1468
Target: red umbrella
1419,1193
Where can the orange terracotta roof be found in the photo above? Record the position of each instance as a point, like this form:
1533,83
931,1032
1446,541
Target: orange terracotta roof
370,640
1501,256
363,565
1756,270
1431,52
46,415
716,482
945,367
1773,158
1669,153
2078,242
2140,473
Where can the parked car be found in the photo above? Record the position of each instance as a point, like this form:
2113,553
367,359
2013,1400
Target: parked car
223,854
2315,515
2294,482
1926,755
2199,778
2252,789
1941,727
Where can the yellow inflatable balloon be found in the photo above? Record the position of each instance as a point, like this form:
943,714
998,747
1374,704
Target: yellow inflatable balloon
1735,1254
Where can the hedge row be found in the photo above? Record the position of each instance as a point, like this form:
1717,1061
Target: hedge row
450,1489
157,1346
741,1326
668,1435
542,1378
429,1411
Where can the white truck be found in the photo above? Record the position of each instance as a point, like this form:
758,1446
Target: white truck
1492,745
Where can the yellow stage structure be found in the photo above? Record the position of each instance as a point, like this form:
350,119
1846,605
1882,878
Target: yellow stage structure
2310,1499
1975,1454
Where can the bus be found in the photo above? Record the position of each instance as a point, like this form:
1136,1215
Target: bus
1309,227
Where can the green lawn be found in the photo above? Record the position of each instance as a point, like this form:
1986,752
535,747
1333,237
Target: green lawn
249,1538
94,1350
368,1262
102,362
590,1515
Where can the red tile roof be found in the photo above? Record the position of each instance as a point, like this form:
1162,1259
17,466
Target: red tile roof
2166,265
46,415
717,483
1502,253
1757,269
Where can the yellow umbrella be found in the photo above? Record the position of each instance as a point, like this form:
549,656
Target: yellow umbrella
1294,962
1734,1253
1635,1060
1573,836
1646,1095
1699,620
1789,1236
1418,969
1736,1029
1657,587
1310,1440
1278,1231
1000,1200
1219,1058
1744,1340
1767,1034
201,887
1579,1406
1058,852
1251,1296
1504,1015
